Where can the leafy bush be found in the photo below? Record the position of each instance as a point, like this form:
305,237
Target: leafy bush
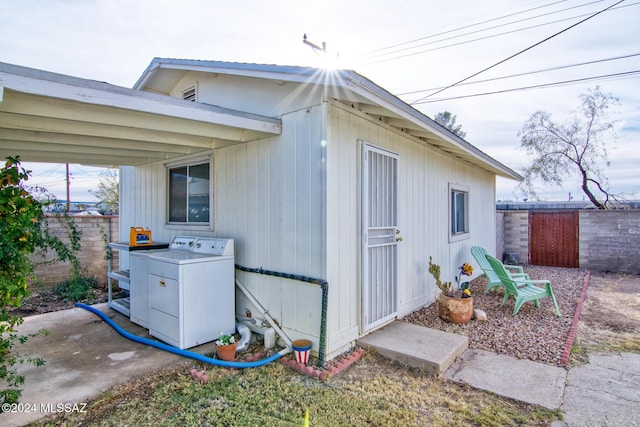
76,289
23,231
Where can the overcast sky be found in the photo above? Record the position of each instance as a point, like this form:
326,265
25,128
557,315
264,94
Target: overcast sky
405,46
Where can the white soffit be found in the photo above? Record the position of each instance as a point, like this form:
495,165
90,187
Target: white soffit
51,117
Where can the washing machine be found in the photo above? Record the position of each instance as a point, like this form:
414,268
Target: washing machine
139,277
192,293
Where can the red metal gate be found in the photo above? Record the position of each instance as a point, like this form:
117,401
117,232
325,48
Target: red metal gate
553,238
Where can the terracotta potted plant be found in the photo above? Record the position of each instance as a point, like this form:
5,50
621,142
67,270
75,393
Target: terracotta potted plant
454,304
226,347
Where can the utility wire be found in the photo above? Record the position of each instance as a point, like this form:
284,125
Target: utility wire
476,39
455,29
476,31
520,52
544,70
614,76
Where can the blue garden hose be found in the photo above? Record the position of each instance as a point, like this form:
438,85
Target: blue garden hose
184,353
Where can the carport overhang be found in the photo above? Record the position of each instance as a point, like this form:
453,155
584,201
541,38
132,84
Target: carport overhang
48,117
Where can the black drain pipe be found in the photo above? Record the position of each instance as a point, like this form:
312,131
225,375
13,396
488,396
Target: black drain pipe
325,293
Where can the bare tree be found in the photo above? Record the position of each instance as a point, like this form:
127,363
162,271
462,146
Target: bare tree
107,191
449,121
574,148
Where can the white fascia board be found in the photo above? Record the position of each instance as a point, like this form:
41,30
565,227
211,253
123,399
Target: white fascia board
292,74
376,94
103,94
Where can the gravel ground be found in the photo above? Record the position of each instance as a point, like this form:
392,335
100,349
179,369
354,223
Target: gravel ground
534,333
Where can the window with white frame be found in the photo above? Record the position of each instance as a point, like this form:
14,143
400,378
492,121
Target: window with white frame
458,212
190,193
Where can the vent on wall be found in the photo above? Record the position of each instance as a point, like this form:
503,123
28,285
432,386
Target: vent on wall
189,94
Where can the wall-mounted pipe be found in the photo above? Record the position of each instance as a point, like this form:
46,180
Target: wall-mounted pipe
184,353
264,312
325,297
268,333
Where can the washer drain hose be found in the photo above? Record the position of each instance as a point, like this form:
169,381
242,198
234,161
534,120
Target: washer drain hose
178,351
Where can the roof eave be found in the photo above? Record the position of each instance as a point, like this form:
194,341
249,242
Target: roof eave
347,80
368,89
43,83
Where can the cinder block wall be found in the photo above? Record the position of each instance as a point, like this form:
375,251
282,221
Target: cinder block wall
516,235
608,240
92,253
499,233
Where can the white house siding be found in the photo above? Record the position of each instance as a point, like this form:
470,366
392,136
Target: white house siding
423,209
268,197
291,203
271,98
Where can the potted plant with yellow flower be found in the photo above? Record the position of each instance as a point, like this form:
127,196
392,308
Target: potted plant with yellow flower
454,304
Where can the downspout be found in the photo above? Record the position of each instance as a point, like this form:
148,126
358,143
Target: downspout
325,296
184,353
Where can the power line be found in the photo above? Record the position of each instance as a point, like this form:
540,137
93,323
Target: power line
544,70
460,43
614,76
520,52
475,32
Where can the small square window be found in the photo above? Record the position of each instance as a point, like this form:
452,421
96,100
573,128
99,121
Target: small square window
459,212
190,194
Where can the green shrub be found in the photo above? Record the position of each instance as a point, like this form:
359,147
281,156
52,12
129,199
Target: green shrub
76,289
23,231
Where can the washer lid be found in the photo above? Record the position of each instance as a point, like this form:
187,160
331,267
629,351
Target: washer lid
186,257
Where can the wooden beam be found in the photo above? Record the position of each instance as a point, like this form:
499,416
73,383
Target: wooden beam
61,126
59,109
72,150
112,160
52,138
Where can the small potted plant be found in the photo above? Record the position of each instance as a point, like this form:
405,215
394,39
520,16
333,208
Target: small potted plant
226,347
454,304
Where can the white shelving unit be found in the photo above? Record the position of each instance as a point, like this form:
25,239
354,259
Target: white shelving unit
122,305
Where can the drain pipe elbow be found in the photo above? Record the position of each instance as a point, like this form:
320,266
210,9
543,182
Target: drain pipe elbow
245,336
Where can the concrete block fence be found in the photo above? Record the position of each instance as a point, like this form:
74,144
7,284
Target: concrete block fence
608,240
92,255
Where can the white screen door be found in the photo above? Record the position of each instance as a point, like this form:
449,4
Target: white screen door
379,236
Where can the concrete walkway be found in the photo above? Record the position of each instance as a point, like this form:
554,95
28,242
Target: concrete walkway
523,380
83,357
606,392
448,355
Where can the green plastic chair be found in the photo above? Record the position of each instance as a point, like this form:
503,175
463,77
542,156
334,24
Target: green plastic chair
480,255
522,294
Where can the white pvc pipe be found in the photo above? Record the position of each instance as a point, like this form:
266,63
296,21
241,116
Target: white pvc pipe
264,312
245,336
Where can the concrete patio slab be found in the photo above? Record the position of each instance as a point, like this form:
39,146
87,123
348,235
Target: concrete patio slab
518,379
83,357
416,346
605,392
